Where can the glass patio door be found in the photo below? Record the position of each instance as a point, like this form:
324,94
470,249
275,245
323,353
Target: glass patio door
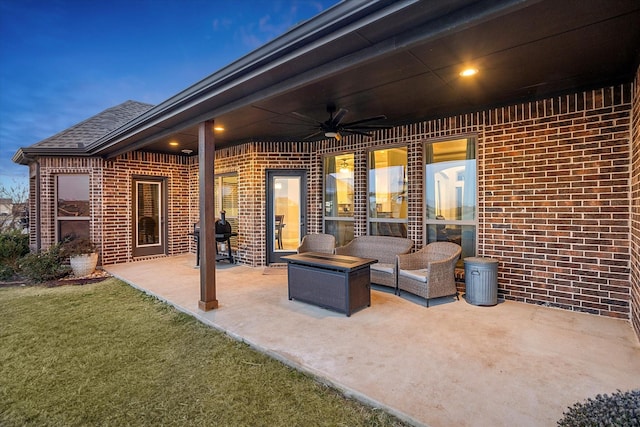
286,212
149,213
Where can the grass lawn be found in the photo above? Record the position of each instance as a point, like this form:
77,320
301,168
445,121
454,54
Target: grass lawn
107,354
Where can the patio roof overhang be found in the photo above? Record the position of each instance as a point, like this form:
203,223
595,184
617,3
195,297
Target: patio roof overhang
401,59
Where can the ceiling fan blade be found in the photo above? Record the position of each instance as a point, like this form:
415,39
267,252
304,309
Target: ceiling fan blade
333,124
355,131
290,124
338,117
367,127
313,134
368,119
306,118
364,130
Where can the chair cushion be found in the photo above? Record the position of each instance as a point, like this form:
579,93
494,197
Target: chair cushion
419,275
385,268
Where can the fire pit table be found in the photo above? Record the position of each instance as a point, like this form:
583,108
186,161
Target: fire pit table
336,282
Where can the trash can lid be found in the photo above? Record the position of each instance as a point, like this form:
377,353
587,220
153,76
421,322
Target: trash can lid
480,260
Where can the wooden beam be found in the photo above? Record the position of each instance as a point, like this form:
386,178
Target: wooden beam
207,239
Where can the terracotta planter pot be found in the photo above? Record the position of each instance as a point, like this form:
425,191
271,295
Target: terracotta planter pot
83,265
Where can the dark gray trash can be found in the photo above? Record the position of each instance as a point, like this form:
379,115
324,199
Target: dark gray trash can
481,280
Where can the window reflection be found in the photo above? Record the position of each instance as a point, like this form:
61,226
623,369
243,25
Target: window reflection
287,210
226,199
450,182
338,197
388,192
72,206
148,212
451,193
342,230
73,195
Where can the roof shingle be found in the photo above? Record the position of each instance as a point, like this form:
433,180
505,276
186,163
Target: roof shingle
94,128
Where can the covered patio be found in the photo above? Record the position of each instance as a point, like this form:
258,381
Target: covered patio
451,364
546,132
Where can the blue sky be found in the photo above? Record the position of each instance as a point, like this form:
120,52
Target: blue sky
62,61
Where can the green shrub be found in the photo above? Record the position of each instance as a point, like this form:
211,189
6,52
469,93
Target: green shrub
43,266
7,272
13,246
77,246
619,409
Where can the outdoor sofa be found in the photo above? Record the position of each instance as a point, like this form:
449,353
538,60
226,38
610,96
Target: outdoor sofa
383,248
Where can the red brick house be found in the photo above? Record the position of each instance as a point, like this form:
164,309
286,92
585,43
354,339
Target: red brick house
533,161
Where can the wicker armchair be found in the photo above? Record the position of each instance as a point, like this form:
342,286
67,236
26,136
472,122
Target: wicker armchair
324,243
384,249
429,272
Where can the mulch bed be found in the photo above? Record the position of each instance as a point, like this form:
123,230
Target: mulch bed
97,276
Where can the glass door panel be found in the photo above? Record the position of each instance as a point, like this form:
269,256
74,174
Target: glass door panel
286,220
286,191
148,224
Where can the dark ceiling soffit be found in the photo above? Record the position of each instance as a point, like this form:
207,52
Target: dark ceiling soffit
318,30
466,18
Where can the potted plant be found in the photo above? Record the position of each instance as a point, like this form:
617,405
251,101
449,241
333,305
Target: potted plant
82,255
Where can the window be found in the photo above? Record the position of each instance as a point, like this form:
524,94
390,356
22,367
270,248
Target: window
226,199
450,187
72,206
388,192
338,197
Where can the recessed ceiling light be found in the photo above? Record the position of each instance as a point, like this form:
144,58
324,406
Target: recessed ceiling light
468,72
218,128
173,144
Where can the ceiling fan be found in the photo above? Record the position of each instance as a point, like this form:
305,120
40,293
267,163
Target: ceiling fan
333,127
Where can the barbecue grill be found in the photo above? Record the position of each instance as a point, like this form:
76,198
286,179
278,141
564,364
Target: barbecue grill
224,233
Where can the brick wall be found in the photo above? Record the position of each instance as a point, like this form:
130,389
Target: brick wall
553,194
110,192
556,200
117,202
193,197
34,208
635,210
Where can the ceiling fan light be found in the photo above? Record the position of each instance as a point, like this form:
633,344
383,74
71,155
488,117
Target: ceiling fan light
331,134
468,72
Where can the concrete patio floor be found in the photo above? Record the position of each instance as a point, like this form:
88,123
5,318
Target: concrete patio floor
452,364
